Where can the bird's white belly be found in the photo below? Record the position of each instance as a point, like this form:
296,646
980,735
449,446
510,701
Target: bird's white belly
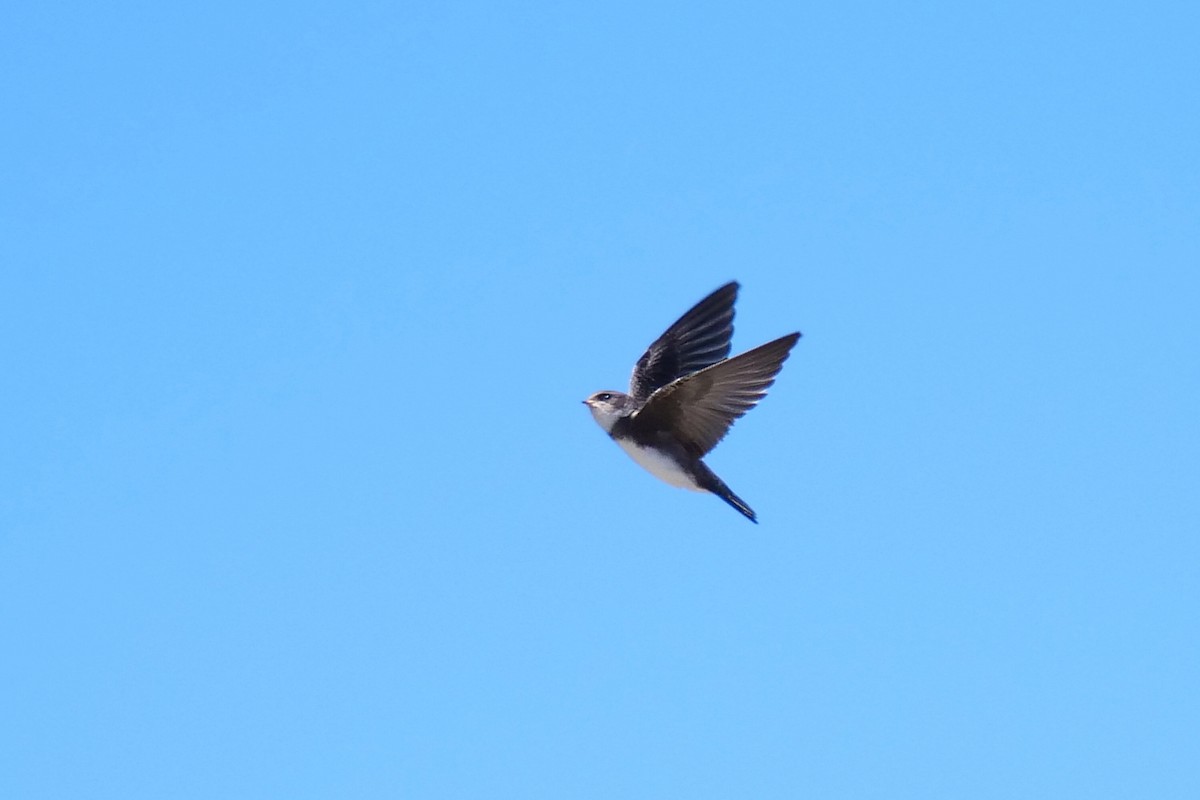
659,465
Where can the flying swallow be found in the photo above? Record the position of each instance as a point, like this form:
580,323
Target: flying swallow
685,393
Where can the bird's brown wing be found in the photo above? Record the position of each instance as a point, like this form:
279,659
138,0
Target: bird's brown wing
698,409
698,339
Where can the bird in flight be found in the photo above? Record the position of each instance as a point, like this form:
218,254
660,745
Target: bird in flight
685,393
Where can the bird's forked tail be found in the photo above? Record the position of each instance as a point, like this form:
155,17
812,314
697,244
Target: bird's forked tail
711,483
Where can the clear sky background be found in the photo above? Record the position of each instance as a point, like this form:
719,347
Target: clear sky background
298,302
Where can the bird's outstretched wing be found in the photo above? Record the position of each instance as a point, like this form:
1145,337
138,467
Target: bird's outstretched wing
699,408
698,339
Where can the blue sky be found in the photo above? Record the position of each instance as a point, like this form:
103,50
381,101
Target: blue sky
298,303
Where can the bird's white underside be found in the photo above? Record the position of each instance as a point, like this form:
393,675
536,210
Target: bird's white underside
650,460
658,465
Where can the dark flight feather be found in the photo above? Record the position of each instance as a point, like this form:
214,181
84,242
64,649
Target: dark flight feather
698,339
699,408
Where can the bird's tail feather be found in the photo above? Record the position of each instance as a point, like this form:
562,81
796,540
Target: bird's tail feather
710,482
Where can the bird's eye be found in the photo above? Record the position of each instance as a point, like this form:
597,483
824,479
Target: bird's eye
604,396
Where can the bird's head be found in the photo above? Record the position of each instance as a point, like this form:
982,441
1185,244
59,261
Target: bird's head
607,407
